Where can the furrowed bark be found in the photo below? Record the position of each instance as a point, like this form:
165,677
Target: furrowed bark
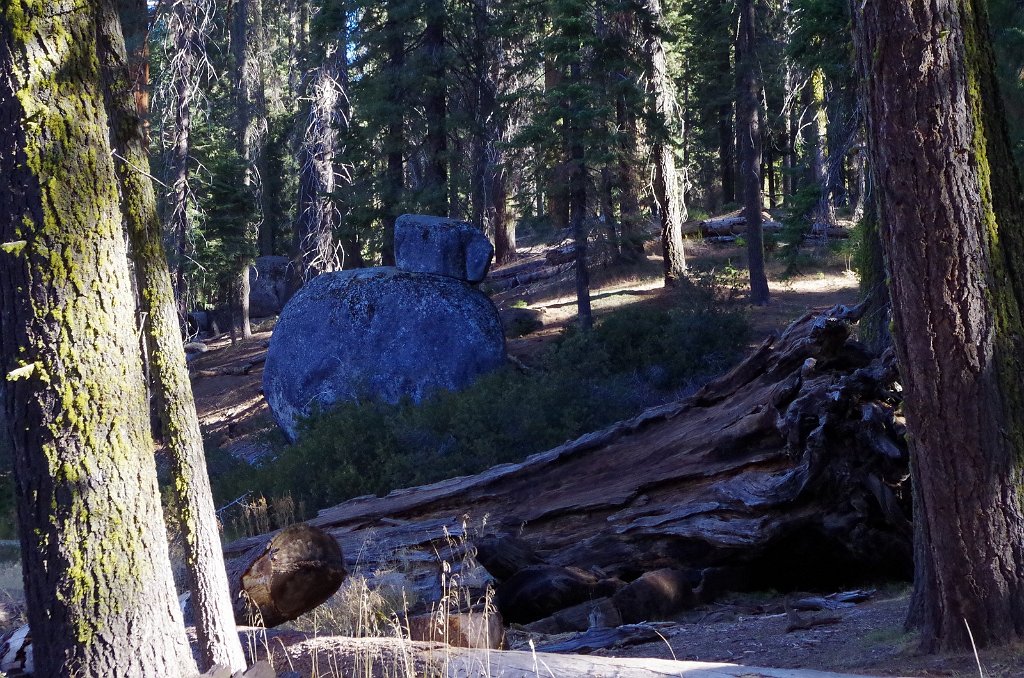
99,591
215,627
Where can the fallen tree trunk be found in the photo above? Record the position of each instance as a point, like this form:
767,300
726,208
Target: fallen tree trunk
732,224
788,472
394,657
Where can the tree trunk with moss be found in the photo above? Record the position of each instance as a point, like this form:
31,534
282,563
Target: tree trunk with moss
99,591
952,225
195,513
666,187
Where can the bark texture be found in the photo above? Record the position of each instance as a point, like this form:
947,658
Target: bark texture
951,226
98,582
789,472
666,186
194,503
749,127
317,215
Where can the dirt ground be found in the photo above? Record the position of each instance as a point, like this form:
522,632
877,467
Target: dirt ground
868,639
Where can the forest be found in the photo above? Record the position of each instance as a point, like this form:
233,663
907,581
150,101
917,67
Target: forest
511,338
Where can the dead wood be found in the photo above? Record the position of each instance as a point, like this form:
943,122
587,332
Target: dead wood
788,472
727,225
285,576
380,657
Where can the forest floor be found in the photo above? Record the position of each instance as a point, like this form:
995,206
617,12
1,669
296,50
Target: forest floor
748,629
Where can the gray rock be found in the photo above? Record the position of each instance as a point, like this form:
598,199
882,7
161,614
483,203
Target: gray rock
377,333
425,244
272,281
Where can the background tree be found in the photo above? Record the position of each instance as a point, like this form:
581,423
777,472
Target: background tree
99,591
749,126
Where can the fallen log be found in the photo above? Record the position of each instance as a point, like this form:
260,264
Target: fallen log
731,224
230,370
395,657
789,472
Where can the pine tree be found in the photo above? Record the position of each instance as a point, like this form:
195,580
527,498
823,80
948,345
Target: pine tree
99,590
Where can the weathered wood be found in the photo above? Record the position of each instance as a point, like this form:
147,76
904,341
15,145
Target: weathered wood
787,472
731,224
230,370
373,657
277,581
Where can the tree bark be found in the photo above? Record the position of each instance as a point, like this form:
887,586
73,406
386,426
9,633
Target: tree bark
489,193
786,473
750,149
183,75
953,233
578,204
317,216
435,179
215,627
99,591
394,136
666,186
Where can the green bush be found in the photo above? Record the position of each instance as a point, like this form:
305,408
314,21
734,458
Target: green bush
632,359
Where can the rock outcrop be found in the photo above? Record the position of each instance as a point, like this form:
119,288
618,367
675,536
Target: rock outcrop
378,333
425,244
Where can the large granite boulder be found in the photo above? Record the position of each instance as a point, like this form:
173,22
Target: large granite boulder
457,249
378,333
272,281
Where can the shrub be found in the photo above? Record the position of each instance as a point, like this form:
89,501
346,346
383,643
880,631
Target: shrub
633,358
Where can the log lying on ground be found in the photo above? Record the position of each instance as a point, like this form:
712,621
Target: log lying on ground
788,472
382,657
731,224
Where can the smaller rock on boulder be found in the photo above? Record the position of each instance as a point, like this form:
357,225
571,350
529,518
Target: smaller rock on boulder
425,244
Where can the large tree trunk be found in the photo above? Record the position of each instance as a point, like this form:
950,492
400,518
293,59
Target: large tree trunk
99,590
489,192
951,225
824,214
750,148
204,562
251,135
183,76
786,473
134,16
666,186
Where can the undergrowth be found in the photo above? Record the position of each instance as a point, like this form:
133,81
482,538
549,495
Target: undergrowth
632,359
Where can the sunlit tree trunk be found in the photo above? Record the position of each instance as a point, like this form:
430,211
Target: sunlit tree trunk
215,623
666,183
99,591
